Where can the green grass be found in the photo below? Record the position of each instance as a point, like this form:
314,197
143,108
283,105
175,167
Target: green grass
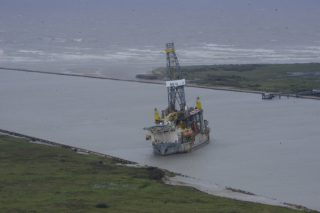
286,78
39,178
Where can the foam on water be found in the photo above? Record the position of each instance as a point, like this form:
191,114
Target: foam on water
131,36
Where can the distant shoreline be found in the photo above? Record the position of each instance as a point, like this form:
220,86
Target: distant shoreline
149,81
301,80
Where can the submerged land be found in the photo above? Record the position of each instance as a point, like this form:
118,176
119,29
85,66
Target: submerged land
281,78
41,178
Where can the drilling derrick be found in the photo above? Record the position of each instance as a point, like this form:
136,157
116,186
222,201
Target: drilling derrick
179,129
175,84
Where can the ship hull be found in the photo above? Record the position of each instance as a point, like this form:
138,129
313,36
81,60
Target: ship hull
169,148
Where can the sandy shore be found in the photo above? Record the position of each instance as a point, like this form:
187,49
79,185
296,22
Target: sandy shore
228,192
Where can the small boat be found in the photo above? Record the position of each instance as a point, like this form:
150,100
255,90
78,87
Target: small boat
267,96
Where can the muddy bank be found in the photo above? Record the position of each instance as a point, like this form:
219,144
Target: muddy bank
229,192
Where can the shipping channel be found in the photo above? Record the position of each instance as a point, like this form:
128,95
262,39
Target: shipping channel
270,148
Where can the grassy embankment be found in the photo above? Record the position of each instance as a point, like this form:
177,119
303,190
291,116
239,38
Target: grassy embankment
40,178
285,78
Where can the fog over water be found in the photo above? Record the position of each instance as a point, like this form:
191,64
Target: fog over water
270,148
120,38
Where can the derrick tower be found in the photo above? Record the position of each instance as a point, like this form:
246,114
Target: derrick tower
176,83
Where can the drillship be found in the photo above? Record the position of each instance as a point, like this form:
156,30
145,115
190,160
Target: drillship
179,128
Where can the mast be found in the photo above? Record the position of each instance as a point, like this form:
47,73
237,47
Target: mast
176,83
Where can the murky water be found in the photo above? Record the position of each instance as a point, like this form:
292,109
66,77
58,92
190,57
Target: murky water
270,148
